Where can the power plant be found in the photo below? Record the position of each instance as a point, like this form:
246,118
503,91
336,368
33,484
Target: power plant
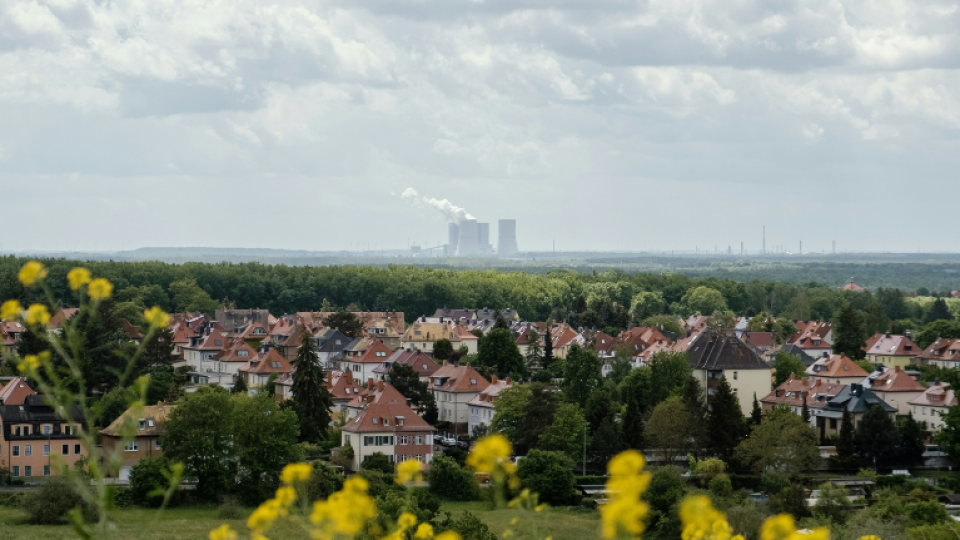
468,238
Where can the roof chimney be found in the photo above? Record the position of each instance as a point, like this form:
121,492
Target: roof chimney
370,383
494,381
508,380
329,379
380,386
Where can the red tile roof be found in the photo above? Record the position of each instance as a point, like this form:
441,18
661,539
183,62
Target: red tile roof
894,345
939,395
794,392
376,353
764,340
896,380
387,416
942,349
458,379
271,362
837,365
15,392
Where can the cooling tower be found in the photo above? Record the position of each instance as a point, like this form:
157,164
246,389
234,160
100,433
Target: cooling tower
453,234
507,237
483,237
467,243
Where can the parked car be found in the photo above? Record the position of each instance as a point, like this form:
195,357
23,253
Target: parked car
447,441
463,445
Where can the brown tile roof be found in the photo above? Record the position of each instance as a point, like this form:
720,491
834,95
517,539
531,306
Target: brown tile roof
894,345
376,392
895,380
271,362
153,416
133,332
810,329
431,332
563,335
938,395
489,395
763,340
61,317
852,287
420,361
942,349
794,392
342,385
15,392
233,350
376,353
837,365
458,379
387,417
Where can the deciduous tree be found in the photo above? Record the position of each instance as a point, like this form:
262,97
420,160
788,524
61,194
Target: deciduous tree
581,375
782,442
498,349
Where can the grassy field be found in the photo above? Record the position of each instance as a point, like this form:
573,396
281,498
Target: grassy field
196,523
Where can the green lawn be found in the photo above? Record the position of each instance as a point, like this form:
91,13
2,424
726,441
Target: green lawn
196,523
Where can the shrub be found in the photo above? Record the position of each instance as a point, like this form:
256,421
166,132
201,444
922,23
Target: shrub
451,481
10,499
791,500
548,473
746,520
773,482
832,504
926,513
146,478
709,469
323,482
721,486
467,525
377,462
50,504
229,509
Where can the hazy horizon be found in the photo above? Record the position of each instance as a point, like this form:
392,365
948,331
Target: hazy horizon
601,126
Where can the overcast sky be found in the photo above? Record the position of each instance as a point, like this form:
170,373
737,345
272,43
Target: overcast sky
655,124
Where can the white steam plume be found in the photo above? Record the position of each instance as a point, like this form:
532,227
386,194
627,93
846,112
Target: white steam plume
451,211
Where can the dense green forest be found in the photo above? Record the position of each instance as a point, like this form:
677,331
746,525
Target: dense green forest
611,298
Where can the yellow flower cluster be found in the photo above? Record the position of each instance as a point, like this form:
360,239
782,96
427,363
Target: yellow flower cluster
345,512
491,455
32,362
782,527
10,310
701,521
156,317
37,315
31,273
296,472
99,289
78,277
409,471
869,537
625,511
223,532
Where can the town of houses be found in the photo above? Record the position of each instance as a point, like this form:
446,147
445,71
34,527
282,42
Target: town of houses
261,348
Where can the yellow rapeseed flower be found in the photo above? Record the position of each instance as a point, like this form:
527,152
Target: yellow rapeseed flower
223,532
10,310
31,362
406,521
31,273
782,527
701,521
78,277
286,496
448,535
424,532
488,453
625,512
263,517
100,289
869,537
507,533
37,315
295,472
409,471
156,317
346,512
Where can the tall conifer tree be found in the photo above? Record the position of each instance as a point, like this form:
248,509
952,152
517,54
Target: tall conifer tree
725,421
312,401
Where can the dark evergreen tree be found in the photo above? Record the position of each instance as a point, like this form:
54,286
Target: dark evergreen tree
346,322
600,407
582,373
725,421
239,385
442,349
635,391
500,322
877,437
912,443
158,350
312,401
430,412
547,348
695,401
805,412
939,312
756,414
847,456
604,443
849,333
539,413
499,351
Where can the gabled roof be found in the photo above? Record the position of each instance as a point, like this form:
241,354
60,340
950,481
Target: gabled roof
420,361
387,416
15,392
837,365
35,409
234,350
342,385
431,332
852,287
805,358
458,379
564,335
376,353
942,349
153,417
60,318
271,362
794,392
133,332
376,392
894,345
896,380
938,395
712,350
489,395
857,399
811,331
763,340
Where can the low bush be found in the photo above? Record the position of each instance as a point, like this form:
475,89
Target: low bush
449,480
229,509
51,503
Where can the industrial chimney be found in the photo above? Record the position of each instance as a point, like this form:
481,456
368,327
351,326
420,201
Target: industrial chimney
453,234
467,243
507,241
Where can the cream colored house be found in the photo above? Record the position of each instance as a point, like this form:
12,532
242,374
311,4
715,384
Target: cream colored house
714,355
422,335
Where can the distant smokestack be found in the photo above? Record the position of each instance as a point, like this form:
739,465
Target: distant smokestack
453,236
467,243
507,237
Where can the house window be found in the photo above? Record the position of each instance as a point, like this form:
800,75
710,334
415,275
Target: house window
28,471
65,450
67,430
28,451
142,424
16,451
419,439
46,449
833,423
46,470
46,430
130,446
16,471
734,375
76,449
158,445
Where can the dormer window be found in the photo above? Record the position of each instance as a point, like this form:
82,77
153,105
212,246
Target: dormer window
386,421
142,424
150,423
473,381
376,421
